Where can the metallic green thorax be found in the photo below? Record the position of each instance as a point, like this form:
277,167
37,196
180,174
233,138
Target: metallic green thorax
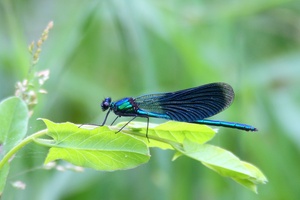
124,107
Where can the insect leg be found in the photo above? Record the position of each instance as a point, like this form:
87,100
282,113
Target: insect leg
126,124
147,129
115,120
106,117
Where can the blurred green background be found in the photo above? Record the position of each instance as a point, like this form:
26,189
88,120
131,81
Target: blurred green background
128,48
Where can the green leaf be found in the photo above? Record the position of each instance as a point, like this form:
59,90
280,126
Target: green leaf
102,149
13,121
224,163
99,148
165,135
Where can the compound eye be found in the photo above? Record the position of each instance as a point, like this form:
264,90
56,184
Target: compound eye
106,103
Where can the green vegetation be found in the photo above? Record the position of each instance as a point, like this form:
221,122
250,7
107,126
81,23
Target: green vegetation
117,48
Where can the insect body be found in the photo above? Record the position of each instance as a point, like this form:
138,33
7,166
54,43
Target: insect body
193,105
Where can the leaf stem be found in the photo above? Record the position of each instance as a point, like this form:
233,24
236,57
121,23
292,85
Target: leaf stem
20,145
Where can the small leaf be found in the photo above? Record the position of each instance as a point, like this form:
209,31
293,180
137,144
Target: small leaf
100,148
225,163
13,120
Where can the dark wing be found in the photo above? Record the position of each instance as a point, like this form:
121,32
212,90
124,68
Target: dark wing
190,104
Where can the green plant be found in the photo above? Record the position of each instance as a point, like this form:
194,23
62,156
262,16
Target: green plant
99,147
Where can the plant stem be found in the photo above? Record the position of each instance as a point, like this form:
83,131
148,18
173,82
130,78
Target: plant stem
20,145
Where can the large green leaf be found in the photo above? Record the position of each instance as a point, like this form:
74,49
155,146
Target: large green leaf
102,149
13,122
99,148
13,127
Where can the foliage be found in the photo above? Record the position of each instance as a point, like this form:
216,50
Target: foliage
114,48
101,149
